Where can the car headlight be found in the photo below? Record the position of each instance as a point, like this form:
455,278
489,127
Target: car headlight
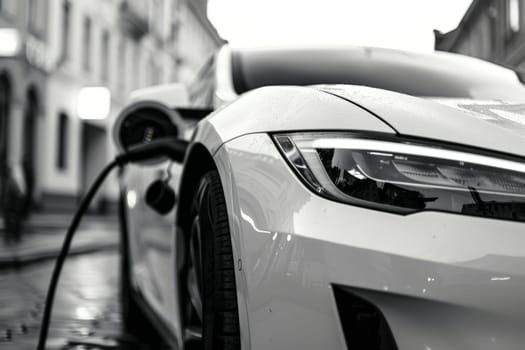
402,176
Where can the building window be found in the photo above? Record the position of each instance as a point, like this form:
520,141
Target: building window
157,18
86,59
136,66
66,27
493,30
154,72
31,11
104,57
36,16
513,16
63,125
122,62
8,6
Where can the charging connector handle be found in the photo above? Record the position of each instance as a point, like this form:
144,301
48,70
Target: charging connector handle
175,149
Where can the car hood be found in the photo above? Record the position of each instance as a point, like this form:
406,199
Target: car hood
492,125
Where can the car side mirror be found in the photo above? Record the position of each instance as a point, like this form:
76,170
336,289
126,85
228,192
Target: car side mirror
143,122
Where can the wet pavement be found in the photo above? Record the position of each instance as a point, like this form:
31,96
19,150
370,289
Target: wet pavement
86,313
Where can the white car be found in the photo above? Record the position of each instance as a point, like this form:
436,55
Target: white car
350,198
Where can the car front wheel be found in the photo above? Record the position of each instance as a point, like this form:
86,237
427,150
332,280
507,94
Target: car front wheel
208,279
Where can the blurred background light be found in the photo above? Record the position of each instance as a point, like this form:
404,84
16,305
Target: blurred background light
94,102
131,199
10,42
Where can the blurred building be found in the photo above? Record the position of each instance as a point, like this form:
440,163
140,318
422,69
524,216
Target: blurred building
193,25
51,50
493,30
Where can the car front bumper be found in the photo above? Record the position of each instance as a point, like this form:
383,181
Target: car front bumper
441,281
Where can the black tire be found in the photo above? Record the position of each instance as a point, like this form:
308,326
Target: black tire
134,320
220,315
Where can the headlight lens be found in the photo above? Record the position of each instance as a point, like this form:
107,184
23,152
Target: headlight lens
405,177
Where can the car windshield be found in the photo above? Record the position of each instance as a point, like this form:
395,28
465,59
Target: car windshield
437,74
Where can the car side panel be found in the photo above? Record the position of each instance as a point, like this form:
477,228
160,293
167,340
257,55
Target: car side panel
152,243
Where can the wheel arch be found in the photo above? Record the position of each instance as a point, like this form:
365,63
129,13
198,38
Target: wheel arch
198,161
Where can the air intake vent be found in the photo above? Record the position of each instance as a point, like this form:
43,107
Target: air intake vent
363,324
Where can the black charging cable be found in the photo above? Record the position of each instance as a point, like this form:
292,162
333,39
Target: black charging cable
174,149
65,249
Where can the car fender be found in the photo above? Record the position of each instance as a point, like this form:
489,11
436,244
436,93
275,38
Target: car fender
265,110
284,109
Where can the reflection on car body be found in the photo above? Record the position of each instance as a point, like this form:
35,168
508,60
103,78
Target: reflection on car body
336,198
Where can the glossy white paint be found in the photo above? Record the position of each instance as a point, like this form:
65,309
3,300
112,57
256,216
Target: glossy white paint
280,108
152,239
425,118
437,289
284,108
